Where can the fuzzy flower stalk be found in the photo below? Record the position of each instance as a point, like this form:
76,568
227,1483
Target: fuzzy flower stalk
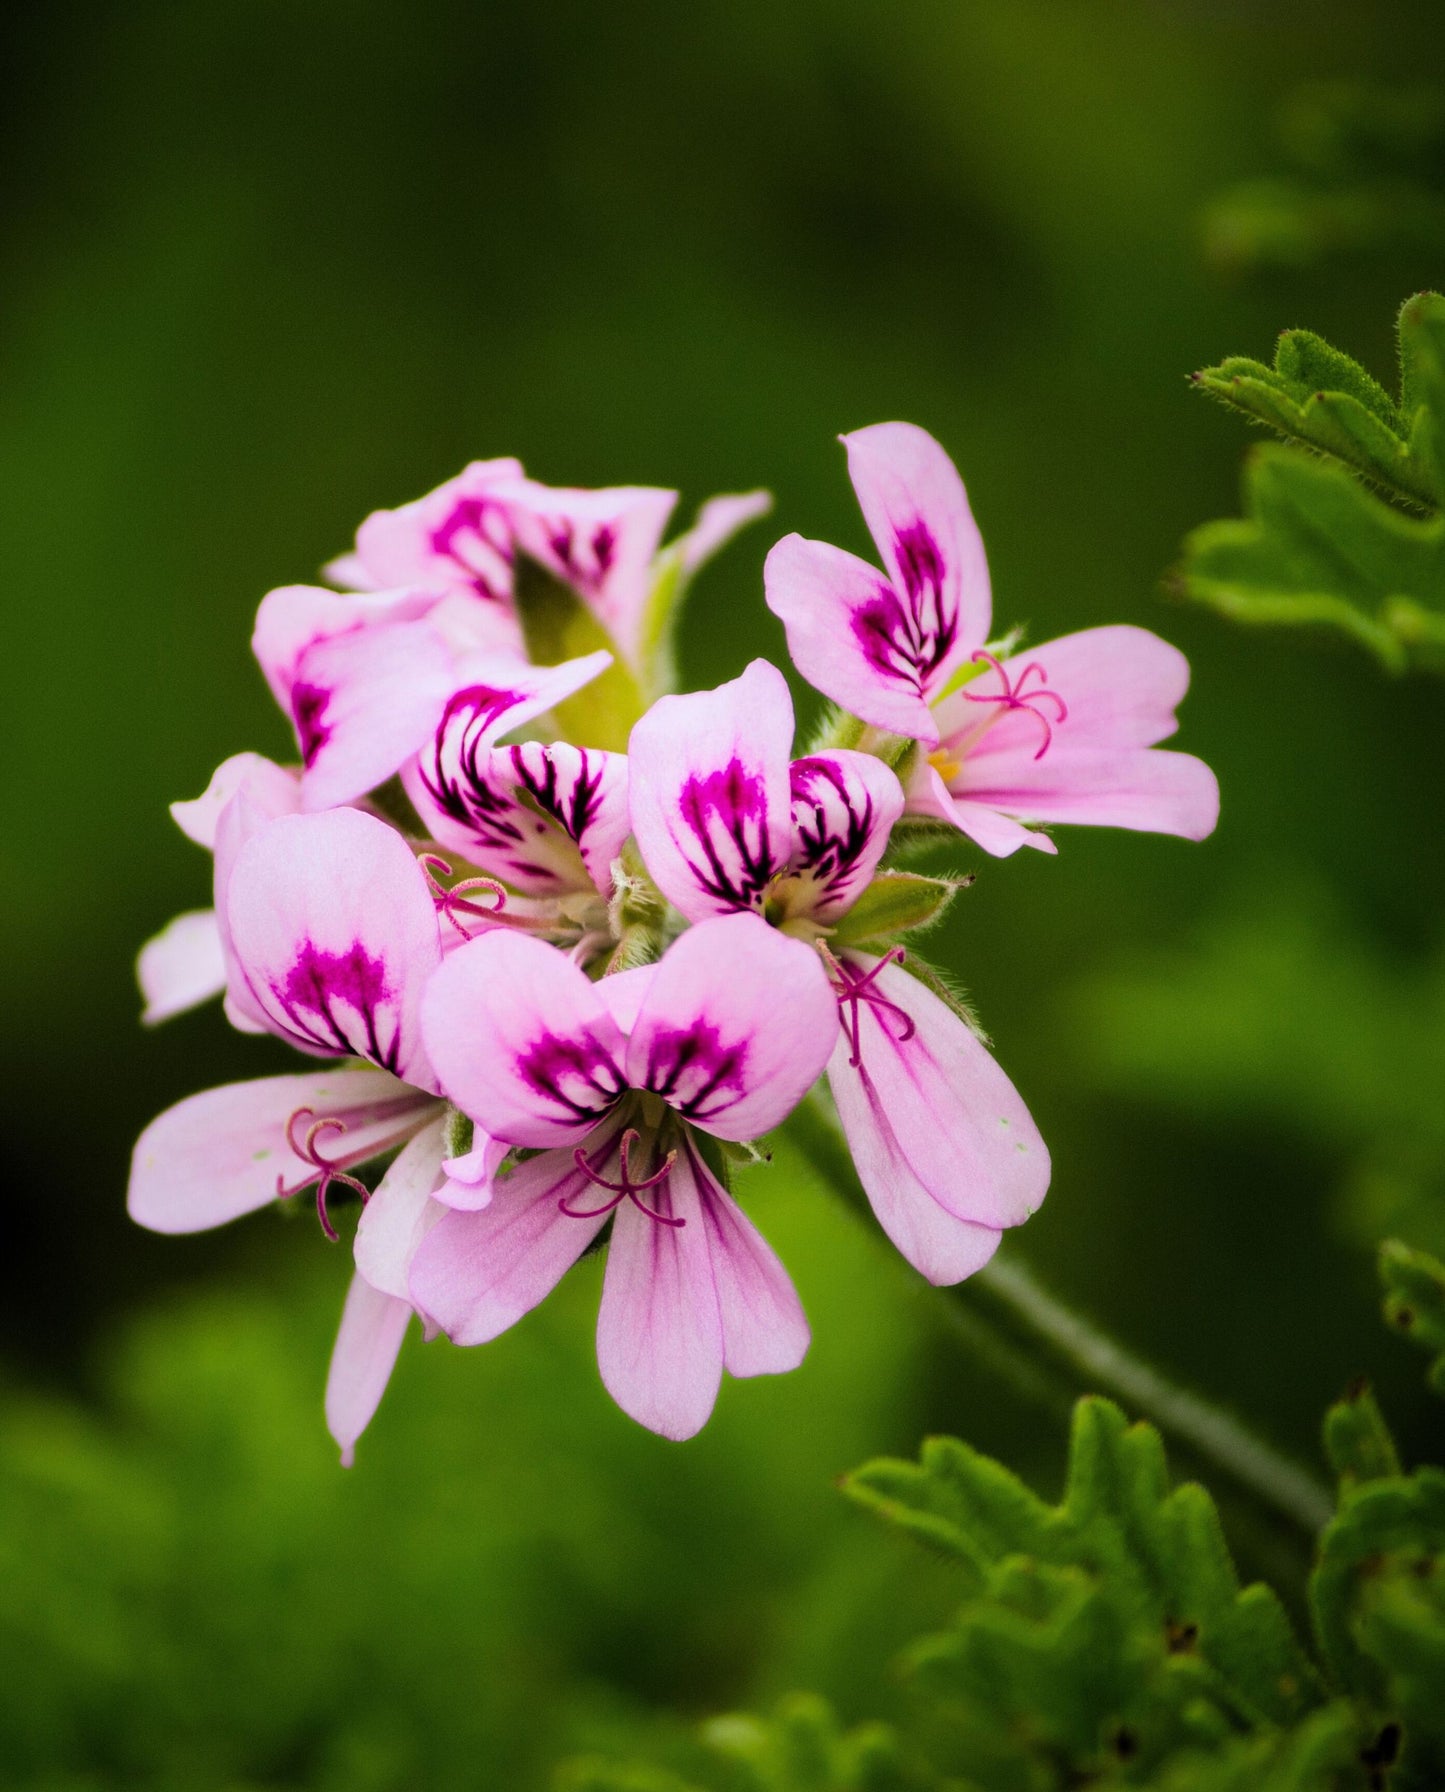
561,944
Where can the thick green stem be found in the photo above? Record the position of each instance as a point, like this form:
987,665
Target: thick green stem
1009,1295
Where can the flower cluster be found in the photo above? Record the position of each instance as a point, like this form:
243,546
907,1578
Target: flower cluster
567,986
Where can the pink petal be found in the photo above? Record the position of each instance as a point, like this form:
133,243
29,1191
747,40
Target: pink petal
659,1330
709,790
602,543
522,1041
918,515
763,1326
1121,684
273,786
736,1027
936,1242
294,618
401,1212
218,1155
848,634
182,966
335,931
363,703
469,1179
995,833
476,1274
548,820
718,521
367,1345
624,992
958,1120
1143,788
456,537
258,801
844,807
469,624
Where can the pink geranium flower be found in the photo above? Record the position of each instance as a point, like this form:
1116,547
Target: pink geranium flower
1066,732
333,932
367,678
461,542
610,1084
942,1141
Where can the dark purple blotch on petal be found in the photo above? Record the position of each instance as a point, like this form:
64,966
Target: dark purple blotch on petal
727,813
463,735
579,1073
695,1070
832,822
907,637
571,803
308,705
486,524
322,986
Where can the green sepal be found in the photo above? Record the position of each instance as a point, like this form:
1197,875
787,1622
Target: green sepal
457,1133
1357,1439
896,902
913,834
557,626
1316,549
1415,1301
1317,395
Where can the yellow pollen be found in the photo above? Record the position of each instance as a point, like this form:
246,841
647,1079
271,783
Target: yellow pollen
945,764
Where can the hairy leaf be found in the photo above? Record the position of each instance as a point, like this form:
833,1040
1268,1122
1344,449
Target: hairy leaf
1317,395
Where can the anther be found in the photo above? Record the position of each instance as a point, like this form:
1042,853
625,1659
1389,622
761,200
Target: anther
327,1172
626,1189
455,900
1013,696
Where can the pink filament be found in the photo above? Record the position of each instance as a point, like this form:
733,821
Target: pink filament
626,1189
1012,695
853,989
327,1172
455,900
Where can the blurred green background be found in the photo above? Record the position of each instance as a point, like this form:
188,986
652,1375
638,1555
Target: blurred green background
268,267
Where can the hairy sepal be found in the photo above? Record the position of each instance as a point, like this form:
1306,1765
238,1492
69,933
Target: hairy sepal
896,902
558,626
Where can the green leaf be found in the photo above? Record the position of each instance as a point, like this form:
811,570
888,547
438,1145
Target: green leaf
896,902
1317,395
1385,1545
1357,1440
1415,1301
1318,550
1117,1612
557,626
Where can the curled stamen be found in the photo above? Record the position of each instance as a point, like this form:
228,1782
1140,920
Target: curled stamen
1012,695
455,900
625,1189
853,988
327,1172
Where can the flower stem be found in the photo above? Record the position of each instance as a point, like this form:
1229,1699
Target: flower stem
1012,1297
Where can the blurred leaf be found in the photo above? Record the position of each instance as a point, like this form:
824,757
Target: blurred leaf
1357,1440
1281,1012
1367,174
1116,1613
1415,1301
